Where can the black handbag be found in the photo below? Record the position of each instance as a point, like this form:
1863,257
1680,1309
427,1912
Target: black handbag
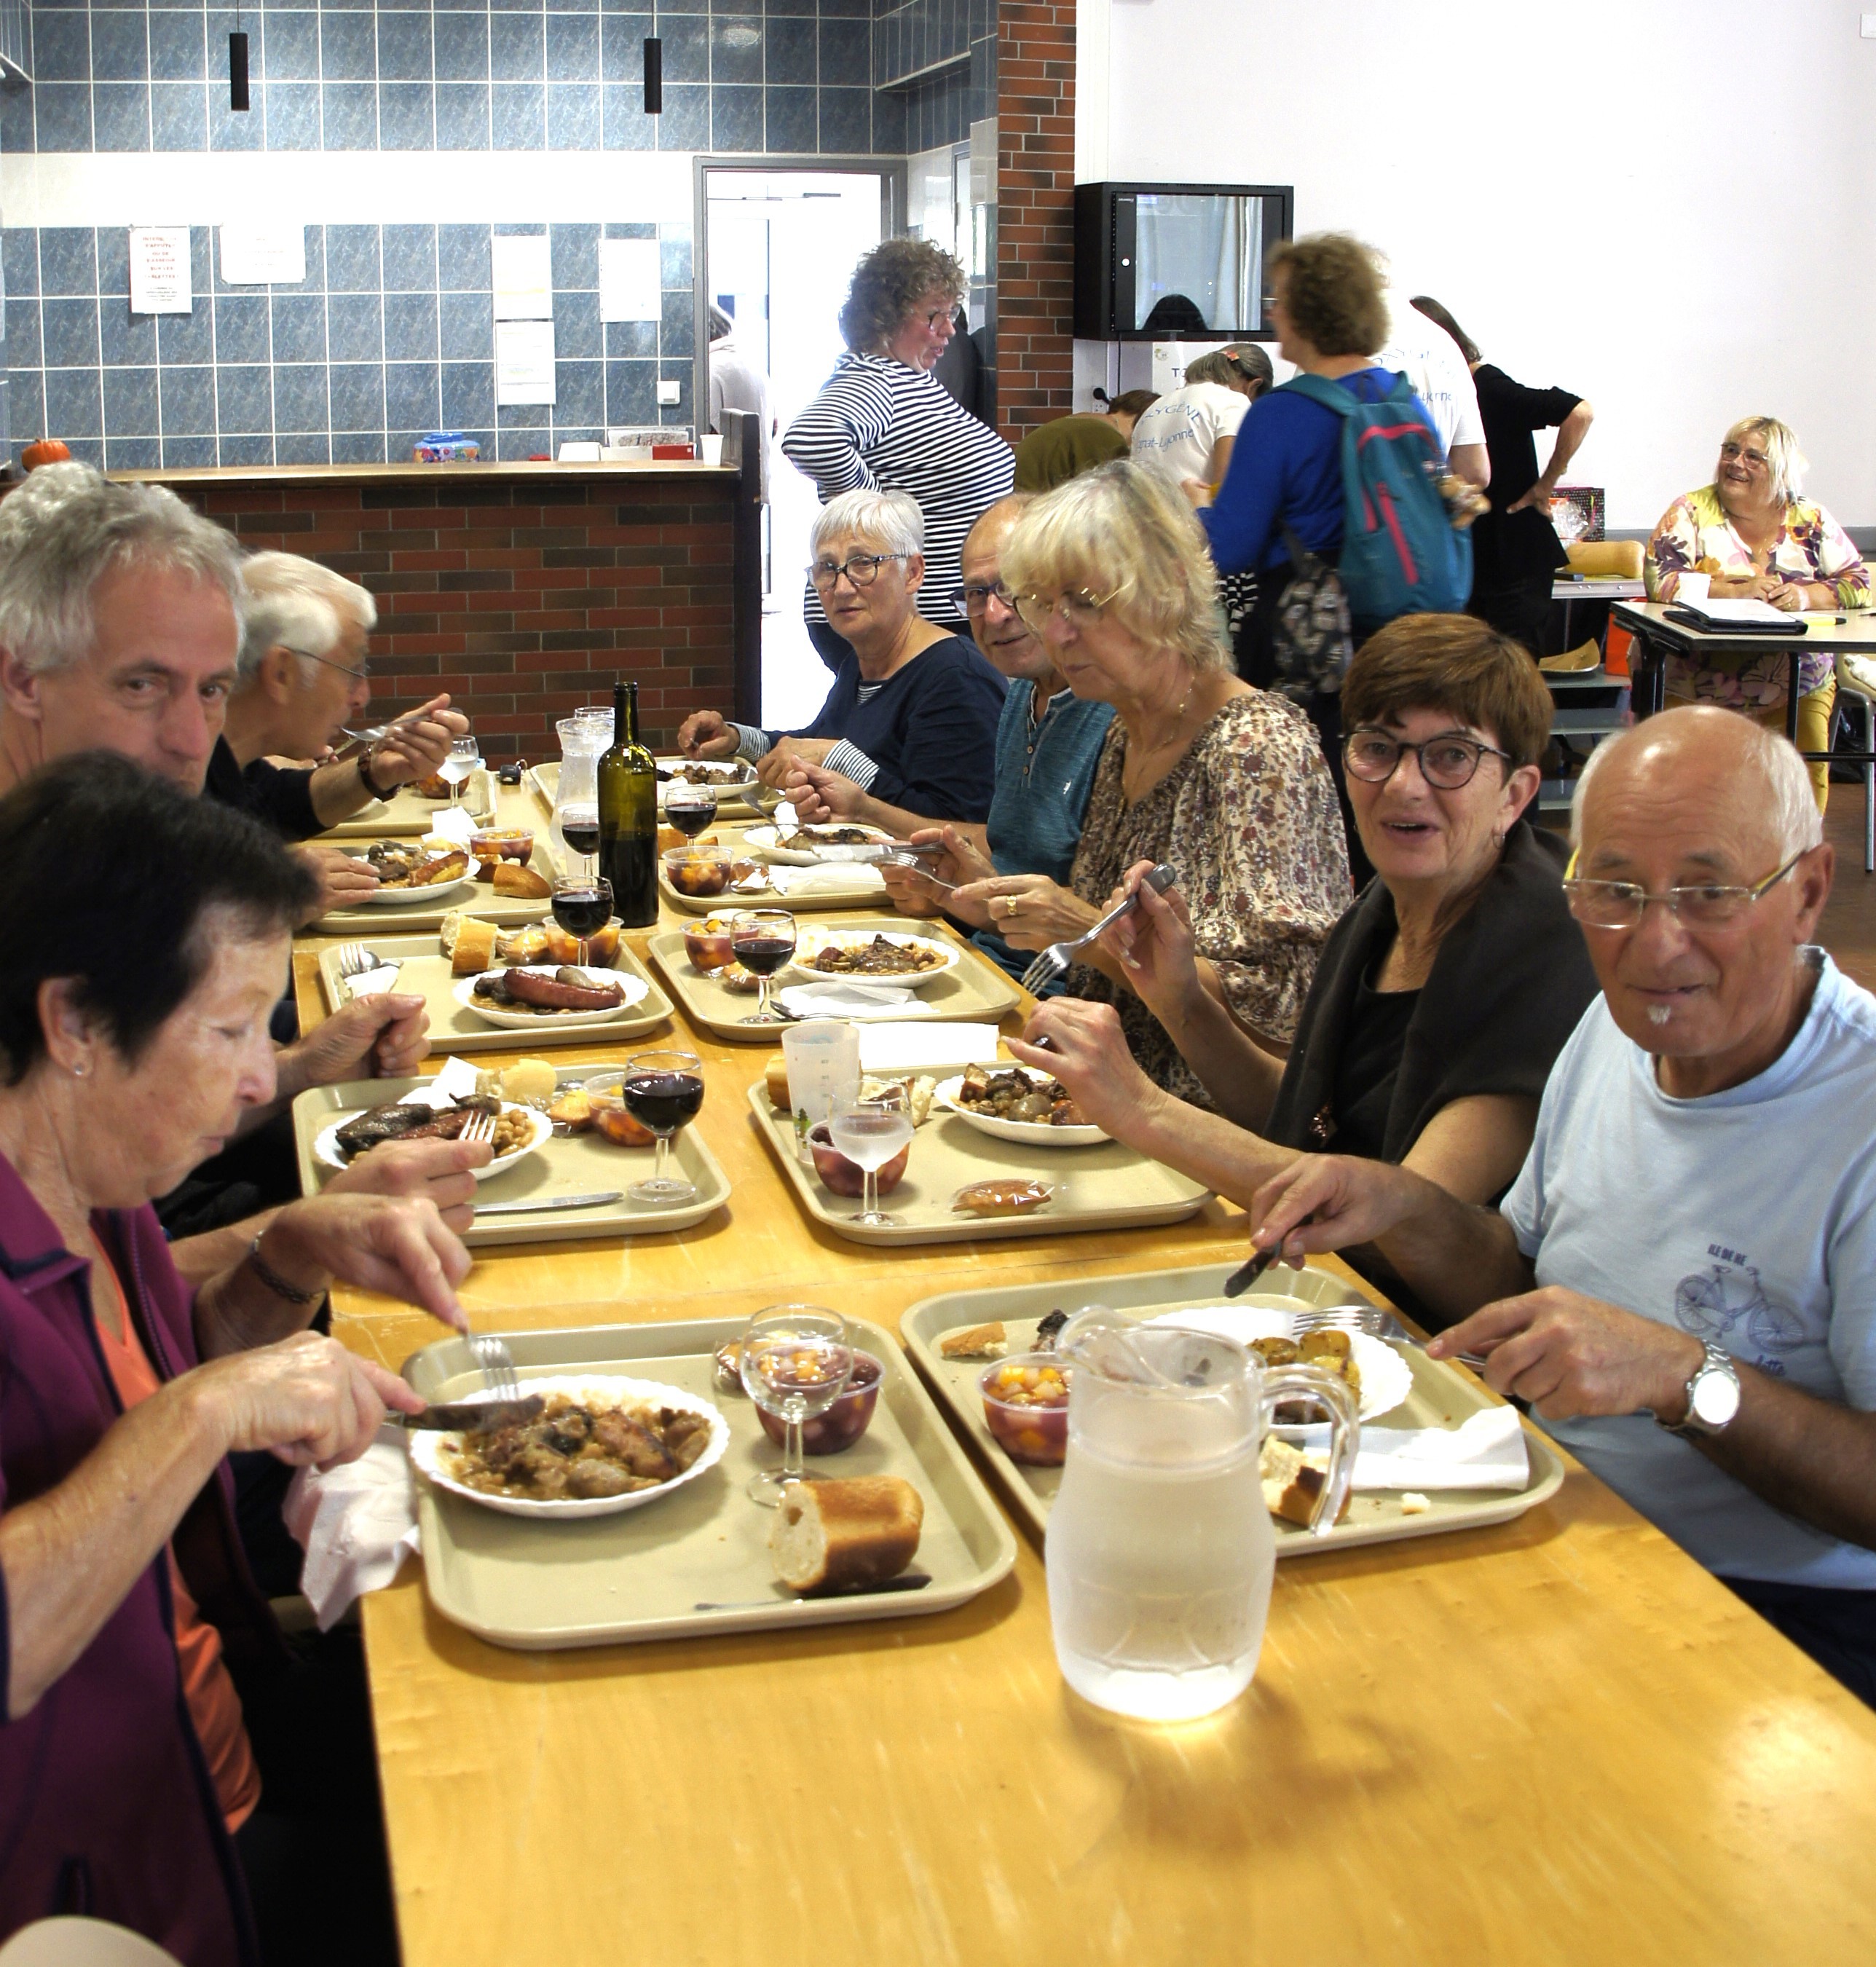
1313,639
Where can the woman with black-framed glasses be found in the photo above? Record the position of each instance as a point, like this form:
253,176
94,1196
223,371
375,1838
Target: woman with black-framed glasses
1444,994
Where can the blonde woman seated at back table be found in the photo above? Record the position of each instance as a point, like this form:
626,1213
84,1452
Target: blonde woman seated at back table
1760,541
1225,782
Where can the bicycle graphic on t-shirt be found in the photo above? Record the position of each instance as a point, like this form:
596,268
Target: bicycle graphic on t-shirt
1714,1303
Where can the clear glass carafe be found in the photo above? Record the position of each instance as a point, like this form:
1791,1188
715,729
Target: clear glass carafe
582,738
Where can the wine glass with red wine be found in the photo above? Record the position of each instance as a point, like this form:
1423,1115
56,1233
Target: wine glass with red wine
582,905
690,808
763,940
662,1091
580,828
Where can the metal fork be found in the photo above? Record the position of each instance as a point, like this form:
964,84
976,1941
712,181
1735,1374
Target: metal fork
1055,961
1370,1319
353,959
478,1129
497,1364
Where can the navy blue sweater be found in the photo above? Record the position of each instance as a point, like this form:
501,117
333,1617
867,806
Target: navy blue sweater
930,729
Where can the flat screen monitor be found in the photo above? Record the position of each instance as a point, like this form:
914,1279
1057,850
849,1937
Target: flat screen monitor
1172,262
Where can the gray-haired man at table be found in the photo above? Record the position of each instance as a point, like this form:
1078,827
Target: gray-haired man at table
1682,1281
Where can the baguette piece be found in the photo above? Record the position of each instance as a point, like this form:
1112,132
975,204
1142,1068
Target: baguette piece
775,1075
472,949
829,1536
1292,1485
521,883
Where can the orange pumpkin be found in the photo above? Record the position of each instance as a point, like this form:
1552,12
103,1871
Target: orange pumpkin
46,451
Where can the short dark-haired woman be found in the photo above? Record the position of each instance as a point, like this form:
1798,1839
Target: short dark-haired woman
1444,994
882,422
133,1033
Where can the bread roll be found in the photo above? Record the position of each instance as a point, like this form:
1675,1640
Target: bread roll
829,1536
1291,1485
472,950
776,1074
521,883
530,1079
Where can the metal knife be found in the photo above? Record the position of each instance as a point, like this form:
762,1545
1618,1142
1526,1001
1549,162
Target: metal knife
471,1415
907,1580
549,1201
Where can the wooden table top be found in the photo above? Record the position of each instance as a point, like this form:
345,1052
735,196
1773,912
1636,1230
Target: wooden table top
1538,1743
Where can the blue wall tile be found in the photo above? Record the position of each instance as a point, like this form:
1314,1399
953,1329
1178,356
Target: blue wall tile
793,123
357,395
177,47
677,333
462,47
299,327
114,260
580,392
62,115
685,123
120,45
234,129
132,453
233,452
517,116
468,327
468,394
245,397
315,448
241,326
406,121
627,128
350,113
403,47
130,402
410,259
410,395
23,348
358,447
61,47
19,261
631,338
73,408
573,116
575,254
846,120
576,326
352,264
347,47
463,261
120,115
735,118
789,51
355,327
188,454
462,116
26,405
188,401
622,46
686,45
293,45
515,44
573,48
410,328
124,336
735,51
299,396
70,331
293,110
631,392
186,337
178,119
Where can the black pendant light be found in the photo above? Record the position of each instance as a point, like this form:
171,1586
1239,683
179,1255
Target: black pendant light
654,76
238,66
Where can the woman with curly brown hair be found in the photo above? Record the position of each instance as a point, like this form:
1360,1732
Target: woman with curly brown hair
883,423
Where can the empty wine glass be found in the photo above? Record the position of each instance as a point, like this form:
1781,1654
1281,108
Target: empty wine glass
797,1360
762,941
465,758
663,1090
869,1132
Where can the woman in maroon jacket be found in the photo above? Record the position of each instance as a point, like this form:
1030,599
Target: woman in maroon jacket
149,932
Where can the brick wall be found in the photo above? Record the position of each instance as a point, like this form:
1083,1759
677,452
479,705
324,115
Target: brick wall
1036,238
524,596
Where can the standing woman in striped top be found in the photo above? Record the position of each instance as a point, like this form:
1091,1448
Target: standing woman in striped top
883,423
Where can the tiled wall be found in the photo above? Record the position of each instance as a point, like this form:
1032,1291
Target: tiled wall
392,334
940,56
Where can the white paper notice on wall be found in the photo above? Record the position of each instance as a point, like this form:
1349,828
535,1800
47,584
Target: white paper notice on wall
628,280
523,277
160,272
263,253
524,362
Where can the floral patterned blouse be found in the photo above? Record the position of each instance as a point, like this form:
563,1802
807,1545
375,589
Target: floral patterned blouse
1249,818
1814,549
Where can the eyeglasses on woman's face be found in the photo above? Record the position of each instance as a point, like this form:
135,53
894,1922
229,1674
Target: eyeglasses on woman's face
1446,761
1739,453
1701,905
1076,606
862,569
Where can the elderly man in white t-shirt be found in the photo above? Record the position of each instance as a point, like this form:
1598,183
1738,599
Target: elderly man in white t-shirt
1682,1281
1430,359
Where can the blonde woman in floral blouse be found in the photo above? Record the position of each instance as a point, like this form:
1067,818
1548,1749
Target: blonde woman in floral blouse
1225,782
1760,541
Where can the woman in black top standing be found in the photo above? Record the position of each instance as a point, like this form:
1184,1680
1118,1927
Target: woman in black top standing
1443,995
1516,551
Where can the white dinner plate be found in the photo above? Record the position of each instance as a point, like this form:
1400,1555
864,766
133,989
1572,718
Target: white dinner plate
1031,1133
464,993
766,841
736,789
1386,1378
812,938
326,1148
427,1447
393,898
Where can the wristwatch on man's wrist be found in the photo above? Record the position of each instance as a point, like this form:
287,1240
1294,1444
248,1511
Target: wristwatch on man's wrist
1713,1396
367,781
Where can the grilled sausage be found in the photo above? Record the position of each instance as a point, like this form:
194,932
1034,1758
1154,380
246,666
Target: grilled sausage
565,990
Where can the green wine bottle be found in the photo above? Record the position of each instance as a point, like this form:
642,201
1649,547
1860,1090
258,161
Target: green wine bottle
628,815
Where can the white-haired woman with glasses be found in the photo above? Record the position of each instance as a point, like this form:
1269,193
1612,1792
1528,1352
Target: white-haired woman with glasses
1444,994
1759,540
1225,782
913,713
882,421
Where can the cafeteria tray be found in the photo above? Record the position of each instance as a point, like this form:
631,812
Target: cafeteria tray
426,971
1442,1396
568,1164
406,812
479,899
545,780
975,990
856,890
696,1564
1108,1187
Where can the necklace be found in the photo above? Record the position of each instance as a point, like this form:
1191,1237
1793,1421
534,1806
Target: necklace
1136,758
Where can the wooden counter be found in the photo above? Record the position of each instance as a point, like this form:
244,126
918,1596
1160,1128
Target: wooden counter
523,589
1559,1741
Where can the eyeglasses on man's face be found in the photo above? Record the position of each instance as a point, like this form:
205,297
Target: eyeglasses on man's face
974,597
1703,905
1447,761
1076,606
358,672
862,570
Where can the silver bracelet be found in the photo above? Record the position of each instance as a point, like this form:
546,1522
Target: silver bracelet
275,1282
